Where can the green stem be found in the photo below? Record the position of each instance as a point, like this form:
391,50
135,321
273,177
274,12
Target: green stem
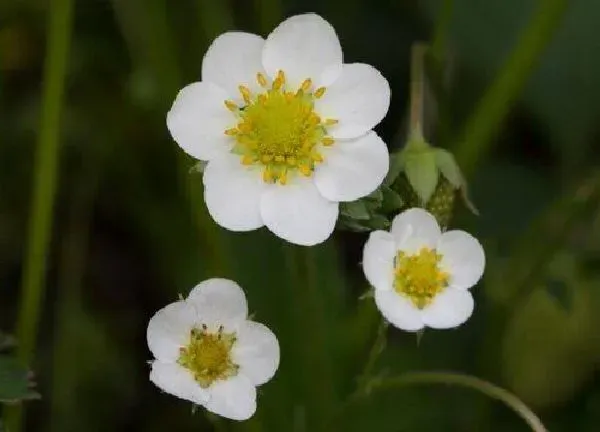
475,139
44,185
376,350
450,378
417,90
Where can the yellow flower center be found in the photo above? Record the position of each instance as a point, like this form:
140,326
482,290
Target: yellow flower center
419,277
208,356
278,129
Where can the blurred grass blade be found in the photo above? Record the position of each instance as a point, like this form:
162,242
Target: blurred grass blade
44,184
269,14
475,139
214,18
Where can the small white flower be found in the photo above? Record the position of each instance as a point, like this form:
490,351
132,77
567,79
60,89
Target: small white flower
422,276
208,352
286,128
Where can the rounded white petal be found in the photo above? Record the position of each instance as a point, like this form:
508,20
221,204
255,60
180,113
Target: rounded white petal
198,119
463,257
298,213
169,329
450,308
378,260
234,59
353,169
398,310
359,99
234,398
219,302
256,351
232,193
304,46
178,381
415,228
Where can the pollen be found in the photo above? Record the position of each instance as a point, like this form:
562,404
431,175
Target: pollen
419,277
208,356
278,129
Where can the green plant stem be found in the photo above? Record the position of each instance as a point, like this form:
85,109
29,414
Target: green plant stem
44,186
376,350
468,381
417,89
475,140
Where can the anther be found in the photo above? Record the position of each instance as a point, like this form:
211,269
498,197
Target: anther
247,160
319,92
231,106
262,81
305,170
232,131
331,122
245,91
327,141
306,85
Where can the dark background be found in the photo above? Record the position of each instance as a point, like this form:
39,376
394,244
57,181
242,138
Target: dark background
131,231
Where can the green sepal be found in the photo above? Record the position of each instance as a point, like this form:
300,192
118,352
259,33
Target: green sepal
355,210
422,173
392,201
397,161
448,167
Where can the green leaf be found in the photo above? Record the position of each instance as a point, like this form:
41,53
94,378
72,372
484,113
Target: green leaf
355,210
448,167
422,173
392,201
397,162
15,385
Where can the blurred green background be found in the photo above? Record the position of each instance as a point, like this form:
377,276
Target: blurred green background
130,230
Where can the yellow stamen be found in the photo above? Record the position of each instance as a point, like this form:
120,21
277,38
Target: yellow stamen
231,106
327,141
262,81
331,122
320,92
305,170
232,132
245,91
247,160
317,157
306,85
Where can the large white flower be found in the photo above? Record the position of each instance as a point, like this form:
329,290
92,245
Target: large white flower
422,276
286,128
208,352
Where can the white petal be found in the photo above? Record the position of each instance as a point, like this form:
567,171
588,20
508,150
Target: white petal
169,329
378,260
450,308
463,257
234,59
298,213
415,228
304,46
232,193
234,398
398,310
359,99
353,169
256,351
219,302
198,119
178,381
